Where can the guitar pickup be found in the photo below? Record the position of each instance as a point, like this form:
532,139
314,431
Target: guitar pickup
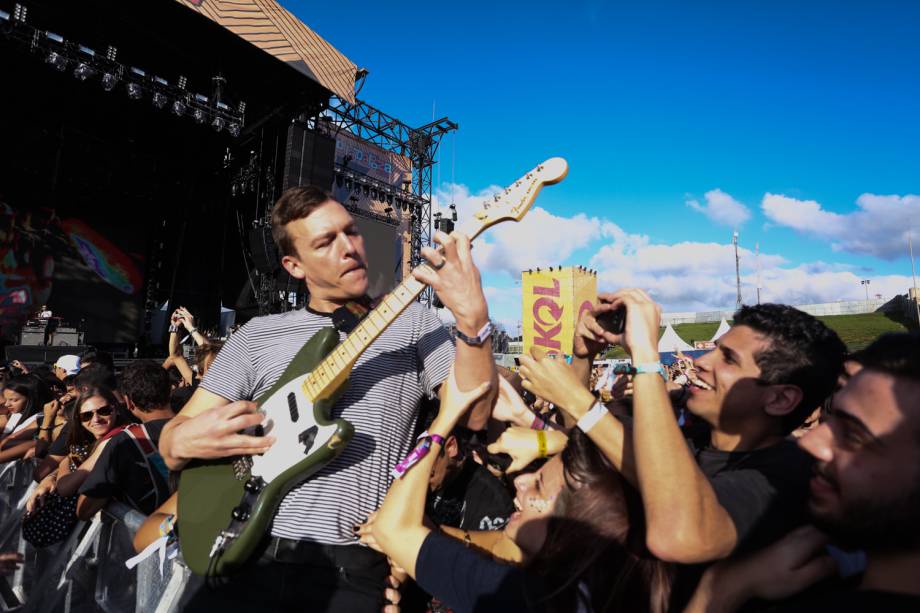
292,406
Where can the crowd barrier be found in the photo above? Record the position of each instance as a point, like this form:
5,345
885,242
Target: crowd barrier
85,573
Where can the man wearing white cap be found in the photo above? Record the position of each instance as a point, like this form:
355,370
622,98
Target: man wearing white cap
66,366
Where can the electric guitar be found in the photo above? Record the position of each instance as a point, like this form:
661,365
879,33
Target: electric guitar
226,506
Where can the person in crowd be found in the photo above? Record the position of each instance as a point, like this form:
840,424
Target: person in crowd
23,396
130,468
96,356
864,494
95,420
90,377
746,482
67,366
312,530
572,529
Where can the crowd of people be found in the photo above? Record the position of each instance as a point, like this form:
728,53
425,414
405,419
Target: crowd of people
775,472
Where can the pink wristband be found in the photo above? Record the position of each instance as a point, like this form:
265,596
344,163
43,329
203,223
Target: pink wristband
416,455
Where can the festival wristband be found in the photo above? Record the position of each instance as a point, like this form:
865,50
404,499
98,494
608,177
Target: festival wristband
541,443
166,525
650,368
590,419
173,328
538,423
415,456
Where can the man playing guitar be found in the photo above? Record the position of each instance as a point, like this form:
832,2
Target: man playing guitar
312,560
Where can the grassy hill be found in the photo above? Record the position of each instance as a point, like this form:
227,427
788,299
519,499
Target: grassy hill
856,331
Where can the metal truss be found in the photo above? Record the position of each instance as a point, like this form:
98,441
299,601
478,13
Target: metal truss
420,145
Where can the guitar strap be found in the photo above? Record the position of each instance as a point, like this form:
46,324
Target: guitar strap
347,317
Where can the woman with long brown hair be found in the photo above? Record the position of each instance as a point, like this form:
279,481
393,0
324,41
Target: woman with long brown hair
574,529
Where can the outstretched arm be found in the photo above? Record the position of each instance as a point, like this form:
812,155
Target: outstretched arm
398,529
454,276
685,522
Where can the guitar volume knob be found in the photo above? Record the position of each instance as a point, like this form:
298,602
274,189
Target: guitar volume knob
254,485
240,513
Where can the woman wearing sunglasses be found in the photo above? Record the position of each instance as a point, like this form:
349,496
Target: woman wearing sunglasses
95,420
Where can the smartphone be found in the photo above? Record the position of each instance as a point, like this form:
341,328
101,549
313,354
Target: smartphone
613,321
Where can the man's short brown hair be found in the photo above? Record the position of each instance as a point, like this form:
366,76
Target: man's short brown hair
295,203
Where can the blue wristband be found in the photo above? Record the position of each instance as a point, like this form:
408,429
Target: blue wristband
651,367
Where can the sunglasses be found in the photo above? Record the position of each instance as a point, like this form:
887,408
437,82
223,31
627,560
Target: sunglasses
105,411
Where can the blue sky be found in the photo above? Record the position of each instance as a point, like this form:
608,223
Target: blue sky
786,120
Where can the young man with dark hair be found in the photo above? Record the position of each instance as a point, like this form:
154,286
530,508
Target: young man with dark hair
864,495
745,483
312,550
130,468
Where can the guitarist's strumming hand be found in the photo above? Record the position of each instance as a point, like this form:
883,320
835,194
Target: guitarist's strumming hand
216,433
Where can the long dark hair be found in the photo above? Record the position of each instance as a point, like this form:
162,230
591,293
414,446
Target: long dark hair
35,391
594,550
79,435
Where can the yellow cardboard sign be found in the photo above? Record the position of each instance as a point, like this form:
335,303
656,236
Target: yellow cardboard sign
551,301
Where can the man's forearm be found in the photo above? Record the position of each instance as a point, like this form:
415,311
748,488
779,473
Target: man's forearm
167,444
685,522
473,366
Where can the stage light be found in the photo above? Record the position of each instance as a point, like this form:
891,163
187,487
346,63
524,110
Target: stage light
57,60
198,115
159,100
218,124
135,91
178,108
109,81
348,184
453,212
82,72
4,16
374,194
234,129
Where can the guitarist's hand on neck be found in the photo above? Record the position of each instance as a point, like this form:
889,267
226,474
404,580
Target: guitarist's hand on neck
455,277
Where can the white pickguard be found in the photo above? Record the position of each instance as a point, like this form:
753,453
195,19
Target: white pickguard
288,450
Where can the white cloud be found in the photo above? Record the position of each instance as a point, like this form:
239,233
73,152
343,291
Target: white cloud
684,276
879,227
721,208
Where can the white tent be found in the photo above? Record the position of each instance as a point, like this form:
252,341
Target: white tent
671,342
723,328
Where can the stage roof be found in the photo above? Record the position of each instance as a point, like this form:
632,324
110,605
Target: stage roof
268,26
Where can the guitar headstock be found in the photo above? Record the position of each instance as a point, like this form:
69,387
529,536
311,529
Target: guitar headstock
515,200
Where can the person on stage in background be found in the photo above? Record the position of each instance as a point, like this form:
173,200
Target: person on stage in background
44,312
313,561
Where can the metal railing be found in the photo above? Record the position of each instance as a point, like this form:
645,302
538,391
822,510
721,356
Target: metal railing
86,572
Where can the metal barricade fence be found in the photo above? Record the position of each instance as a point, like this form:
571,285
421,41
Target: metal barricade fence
86,572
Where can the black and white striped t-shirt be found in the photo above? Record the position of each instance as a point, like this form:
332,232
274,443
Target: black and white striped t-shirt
410,358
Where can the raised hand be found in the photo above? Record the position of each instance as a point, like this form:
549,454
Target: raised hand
510,407
590,338
523,446
643,321
455,403
556,382
455,278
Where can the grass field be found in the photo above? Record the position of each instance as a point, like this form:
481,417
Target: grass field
856,331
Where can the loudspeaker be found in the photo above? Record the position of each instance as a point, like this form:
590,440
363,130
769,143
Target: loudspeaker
38,355
309,159
264,253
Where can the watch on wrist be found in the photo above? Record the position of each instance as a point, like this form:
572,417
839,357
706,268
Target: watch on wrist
477,341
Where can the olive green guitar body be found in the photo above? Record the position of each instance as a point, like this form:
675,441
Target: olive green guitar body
226,506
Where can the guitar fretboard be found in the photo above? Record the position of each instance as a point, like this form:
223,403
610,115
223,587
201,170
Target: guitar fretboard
328,374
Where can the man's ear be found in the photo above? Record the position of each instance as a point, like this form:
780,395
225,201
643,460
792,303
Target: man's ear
782,399
129,404
293,267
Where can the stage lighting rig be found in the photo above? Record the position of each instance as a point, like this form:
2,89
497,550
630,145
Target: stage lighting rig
88,65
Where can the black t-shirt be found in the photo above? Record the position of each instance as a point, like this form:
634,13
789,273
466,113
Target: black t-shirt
467,581
58,446
846,599
473,500
765,491
123,473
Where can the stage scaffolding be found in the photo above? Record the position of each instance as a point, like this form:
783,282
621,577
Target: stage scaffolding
420,145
